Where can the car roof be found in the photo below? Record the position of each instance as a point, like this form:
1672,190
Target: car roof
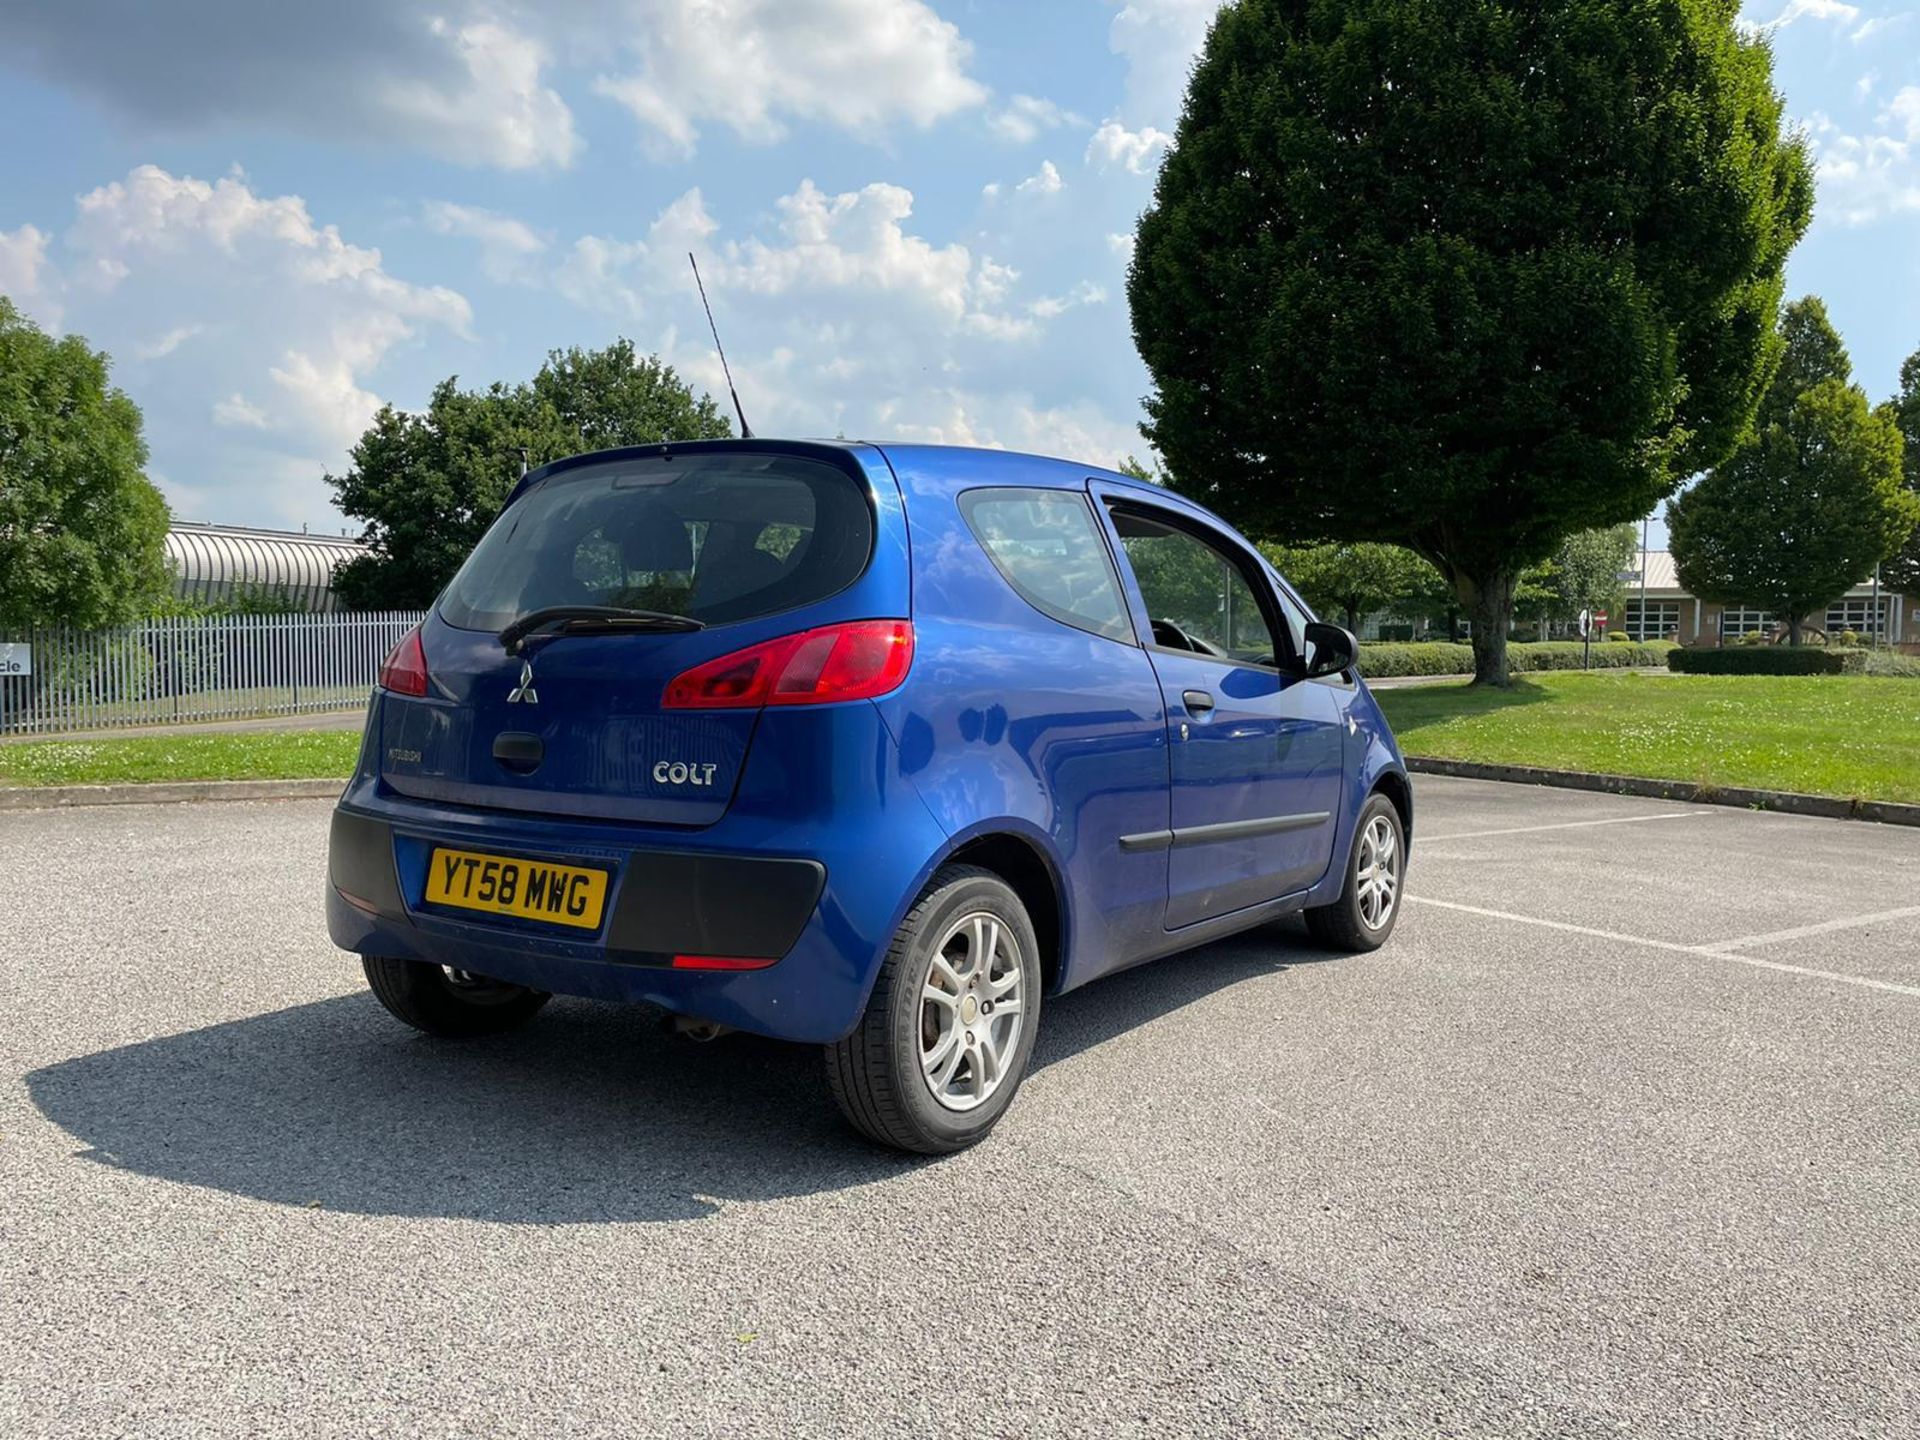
920,468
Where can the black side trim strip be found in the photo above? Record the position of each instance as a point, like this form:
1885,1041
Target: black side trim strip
1247,829
1227,830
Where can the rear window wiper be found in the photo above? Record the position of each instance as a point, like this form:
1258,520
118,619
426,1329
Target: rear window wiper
581,618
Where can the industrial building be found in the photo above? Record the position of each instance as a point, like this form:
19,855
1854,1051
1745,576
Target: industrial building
212,563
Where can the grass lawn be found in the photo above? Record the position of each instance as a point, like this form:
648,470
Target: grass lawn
254,755
1825,735
1845,735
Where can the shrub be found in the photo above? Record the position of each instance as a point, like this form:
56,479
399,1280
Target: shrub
1768,660
1433,657
1382,661
1617,637
1888,662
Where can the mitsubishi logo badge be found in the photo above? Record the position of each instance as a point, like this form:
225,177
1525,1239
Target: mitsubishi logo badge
524,693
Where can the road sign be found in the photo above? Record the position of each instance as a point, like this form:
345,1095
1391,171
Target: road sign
1600,620
1586,623
16,658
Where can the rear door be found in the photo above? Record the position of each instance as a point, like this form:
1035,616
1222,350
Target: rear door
753,542
1256,755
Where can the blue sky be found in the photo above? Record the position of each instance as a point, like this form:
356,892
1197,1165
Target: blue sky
913,216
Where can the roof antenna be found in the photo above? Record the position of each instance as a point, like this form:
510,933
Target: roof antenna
745,433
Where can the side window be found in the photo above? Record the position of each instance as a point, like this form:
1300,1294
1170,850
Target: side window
1046,545
1197,596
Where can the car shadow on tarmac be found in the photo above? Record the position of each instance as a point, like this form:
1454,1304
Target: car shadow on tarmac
592,1114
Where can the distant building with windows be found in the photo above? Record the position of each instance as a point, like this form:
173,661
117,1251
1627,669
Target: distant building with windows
1669,612
214,563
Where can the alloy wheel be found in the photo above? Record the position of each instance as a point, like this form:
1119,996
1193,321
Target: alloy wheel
971,1011
1378,875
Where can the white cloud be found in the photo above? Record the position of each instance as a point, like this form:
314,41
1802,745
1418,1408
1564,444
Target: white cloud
1863,177
299,323
836,243
753,65
236,412
502,115
1832,11
1046,181
841,317
1049,307
506,245
164,345
1133,150
1024,118
1904,111
457,82
23,256
597,275
1122,244
1879,23
1159,40
478,81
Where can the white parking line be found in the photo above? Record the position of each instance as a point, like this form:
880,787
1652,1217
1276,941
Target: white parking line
1699,951
1826,927
1699,812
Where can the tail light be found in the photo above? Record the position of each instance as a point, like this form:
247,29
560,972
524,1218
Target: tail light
405,670
854,661
722,962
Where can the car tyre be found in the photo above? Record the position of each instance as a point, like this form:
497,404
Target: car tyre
455,1004
933,1074
1362,918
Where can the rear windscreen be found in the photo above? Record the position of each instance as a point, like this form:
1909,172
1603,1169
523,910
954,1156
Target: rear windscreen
715,537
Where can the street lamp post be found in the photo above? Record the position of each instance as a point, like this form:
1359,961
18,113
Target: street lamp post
1646,522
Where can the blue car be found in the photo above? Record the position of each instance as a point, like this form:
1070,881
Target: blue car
872,748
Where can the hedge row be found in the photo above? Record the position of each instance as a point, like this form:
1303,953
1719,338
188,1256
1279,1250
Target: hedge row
1768,660
1885,662
1385,659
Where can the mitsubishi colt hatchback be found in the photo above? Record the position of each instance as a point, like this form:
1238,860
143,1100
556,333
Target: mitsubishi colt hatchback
876,748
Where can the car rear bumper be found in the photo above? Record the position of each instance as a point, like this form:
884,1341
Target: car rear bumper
820,901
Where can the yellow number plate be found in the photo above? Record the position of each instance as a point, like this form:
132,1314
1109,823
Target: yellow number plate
526,889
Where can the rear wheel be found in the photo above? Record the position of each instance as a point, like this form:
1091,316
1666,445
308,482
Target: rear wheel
944,1043
443,1001
1362,918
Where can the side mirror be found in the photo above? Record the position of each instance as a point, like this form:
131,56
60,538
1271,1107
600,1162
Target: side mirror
1330,650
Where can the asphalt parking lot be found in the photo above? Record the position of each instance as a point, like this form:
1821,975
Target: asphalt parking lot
1620,1135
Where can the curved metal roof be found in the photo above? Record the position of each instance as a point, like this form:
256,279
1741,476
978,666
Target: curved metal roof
212,562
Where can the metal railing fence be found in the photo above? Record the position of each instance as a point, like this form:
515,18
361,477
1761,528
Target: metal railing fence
180,669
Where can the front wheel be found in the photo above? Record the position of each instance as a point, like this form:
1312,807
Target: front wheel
936,1059
1362,918
454,1003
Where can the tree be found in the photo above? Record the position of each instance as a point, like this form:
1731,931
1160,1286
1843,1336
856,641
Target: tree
82,531
1352,581
428,485
1807,506
1465,277
1901,572
1587,568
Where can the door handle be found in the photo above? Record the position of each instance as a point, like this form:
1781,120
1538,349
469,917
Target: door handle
1198,702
